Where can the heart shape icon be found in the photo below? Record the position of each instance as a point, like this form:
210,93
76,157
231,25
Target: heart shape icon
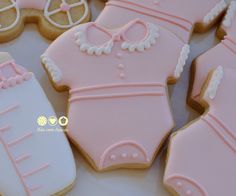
52,120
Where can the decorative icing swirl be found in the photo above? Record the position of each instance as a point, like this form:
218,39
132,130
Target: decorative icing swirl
12,5
182,60
215,82
215,12
51,67
228,20
106,48
144,44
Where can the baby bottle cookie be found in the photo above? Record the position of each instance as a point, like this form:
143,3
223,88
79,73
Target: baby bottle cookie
33,161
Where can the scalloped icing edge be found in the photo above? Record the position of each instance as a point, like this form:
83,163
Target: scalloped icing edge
182,60
215,12
214,83
106,48
228,20
153,34
52,68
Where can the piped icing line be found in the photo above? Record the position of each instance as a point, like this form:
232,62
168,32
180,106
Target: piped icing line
22,158
139,148
91,49
177,182
182,60
9,109
20,139
13,80
21,178
228,20
13,5
5,128
48,13
223,135
221,124
112,96
106,48
52,68
36,170
214,83
148,11
219,8
146,43
111,86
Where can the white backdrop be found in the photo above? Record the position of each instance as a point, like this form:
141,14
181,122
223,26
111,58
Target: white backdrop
27,49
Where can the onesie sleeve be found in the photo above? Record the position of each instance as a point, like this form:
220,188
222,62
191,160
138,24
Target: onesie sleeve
61,59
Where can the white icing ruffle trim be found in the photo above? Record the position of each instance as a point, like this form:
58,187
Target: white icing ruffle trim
144,44
215,12
106,48
215,82
182,60
52,69
85,46
228,20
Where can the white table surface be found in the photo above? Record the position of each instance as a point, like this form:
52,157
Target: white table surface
27,49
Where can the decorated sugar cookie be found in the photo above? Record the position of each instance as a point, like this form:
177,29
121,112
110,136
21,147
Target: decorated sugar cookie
34,161
201,159
181,17
118,110
223,54
53,16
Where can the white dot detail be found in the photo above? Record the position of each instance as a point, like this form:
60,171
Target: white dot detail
188,193
123,155
113,157
135,155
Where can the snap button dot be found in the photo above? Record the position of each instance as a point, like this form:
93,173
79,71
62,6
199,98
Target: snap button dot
179,184
122,75
188,193
123,155
119,55
135,155
121,66
113,157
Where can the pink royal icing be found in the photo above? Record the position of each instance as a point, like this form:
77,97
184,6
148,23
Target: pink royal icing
171,15
223,54
210,144
126,87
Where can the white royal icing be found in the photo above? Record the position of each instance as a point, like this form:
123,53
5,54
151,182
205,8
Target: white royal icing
30,159
85,46
215,82
144,44
182,60
51,67
230,14
48,13
106,48
12,5
215,12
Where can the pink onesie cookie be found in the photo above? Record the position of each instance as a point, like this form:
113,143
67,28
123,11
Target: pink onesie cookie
118,108
223,54
201,159
53,16
33,162
181,16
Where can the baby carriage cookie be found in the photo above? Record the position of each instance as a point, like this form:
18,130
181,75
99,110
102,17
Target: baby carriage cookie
201,157
118,110
53,16
33,162
223,54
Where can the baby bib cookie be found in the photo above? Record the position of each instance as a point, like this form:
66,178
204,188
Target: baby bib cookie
118,109
182,17
223,54
33,162
202,156
52,16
